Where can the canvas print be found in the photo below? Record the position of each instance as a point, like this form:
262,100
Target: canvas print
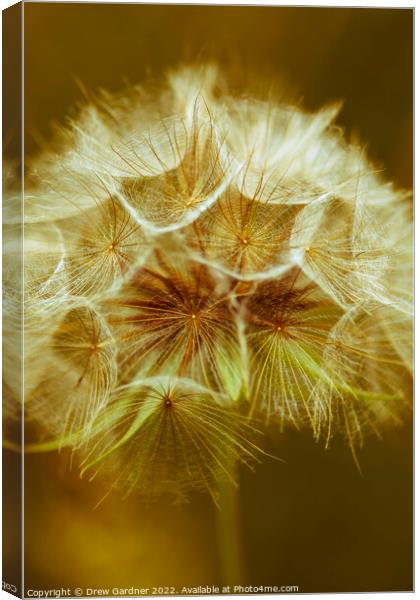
207,300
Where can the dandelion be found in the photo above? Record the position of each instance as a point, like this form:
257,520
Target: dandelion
195,260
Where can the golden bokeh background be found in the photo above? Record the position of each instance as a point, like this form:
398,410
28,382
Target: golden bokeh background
312,521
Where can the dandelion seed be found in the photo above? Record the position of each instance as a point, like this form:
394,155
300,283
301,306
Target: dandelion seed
175,318
341,251
36,302
126,135
163,435
287,328
399,243
177,196
284,150
78,375
367,385
102,247
244,237
55,192
191,83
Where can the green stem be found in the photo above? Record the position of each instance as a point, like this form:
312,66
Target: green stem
229,538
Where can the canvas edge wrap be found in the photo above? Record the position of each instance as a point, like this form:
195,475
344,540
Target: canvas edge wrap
12,580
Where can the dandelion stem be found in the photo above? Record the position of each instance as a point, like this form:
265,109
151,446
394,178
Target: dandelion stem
228,531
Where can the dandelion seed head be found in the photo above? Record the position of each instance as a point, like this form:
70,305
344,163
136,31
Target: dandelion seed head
194,259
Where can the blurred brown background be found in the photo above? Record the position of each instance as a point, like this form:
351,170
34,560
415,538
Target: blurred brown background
313,521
